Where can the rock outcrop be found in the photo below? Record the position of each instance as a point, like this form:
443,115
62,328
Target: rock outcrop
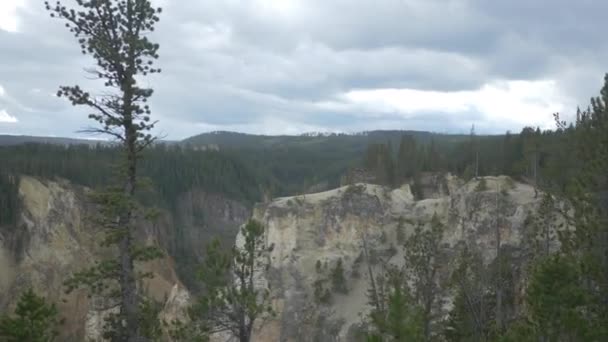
54,238
311,233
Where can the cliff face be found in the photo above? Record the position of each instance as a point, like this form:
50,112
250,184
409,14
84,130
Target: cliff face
54,238
310,233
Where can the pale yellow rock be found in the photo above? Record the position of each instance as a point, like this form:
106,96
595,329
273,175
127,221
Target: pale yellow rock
53,239
318,229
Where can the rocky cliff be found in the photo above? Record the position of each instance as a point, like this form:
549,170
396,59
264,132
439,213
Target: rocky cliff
311,233
54,238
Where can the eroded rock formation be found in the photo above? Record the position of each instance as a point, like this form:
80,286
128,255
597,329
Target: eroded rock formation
311,233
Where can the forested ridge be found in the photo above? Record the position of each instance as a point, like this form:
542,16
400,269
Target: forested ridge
171,169
247,167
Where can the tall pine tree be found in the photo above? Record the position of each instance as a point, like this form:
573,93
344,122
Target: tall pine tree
115,34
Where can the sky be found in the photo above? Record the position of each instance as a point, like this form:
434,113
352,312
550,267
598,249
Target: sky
296,66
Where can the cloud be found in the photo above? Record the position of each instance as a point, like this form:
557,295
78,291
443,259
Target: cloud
5,117
289,66
8,14
512,103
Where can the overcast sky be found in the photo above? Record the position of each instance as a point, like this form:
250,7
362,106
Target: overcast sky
294,66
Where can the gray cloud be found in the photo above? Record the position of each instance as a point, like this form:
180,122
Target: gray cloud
256,67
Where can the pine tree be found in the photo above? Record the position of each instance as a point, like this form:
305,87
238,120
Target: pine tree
338,280
474,151
468,318
531,140
379,161
232,303
9,198
407,158
398,318
587,243
423,257
115,34
34,320
541,228
556,301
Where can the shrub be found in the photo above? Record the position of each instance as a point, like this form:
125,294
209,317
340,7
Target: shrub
337,278
482,185
33,320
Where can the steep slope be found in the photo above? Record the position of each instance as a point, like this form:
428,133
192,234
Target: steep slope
52,239
311,233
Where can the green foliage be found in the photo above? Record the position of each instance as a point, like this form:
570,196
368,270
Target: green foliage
338,280
519,331
103,279
556,302
423,257
396,317
186,331
468,173
172,169
231,302
586,245
115,33
354,190
246,165
469,318
481,186
541,228
407,158
416,188
149,323
379,161
34,320
355,272
321,293
400,231
9,198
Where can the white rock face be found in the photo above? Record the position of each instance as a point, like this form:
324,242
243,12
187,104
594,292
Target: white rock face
310,233
175,307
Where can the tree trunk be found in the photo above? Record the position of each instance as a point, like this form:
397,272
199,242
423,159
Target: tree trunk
128,286
499,318
535,173
482,306
429,294
477,163
243,334
375,296
427,319
471,307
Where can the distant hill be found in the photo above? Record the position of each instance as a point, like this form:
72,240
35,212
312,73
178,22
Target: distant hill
297,163
10,140
6,140
313,160
235,140
241,140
